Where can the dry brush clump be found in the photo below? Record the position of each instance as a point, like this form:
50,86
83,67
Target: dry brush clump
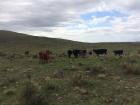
132,59
95,70
9,91
8,80
37,94
139,52
130,68
31,95
59,74
50,88
80,80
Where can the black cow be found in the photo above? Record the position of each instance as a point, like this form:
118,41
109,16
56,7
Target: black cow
118,52
100,51
76,53
90,52
83,53
69,52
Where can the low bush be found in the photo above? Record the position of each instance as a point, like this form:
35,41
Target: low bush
131,68
81,81
31,95
95,70
49,88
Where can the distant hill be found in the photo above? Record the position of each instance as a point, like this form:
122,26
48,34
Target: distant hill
18,41
9,36
13,41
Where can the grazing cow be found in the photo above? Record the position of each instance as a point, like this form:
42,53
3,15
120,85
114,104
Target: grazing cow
83,53
100,51
44,57
118,52
76,53
69,52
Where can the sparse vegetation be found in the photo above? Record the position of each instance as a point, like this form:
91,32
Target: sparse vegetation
129,68
81,81
31,95
105,80
97,69
49,88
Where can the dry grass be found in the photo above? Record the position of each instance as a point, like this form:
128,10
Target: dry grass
130,68
95,70
80,80
31,95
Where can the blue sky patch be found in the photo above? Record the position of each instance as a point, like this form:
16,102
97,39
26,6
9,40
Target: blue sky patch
104,21
114,13
111,16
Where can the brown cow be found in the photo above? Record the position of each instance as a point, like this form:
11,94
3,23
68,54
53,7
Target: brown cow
41,58
44,57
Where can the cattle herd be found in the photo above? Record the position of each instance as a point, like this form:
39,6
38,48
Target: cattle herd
82,53
46,56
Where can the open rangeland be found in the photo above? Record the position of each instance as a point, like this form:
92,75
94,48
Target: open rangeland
92,80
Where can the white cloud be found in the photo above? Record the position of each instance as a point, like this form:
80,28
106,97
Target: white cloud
99,20
61,18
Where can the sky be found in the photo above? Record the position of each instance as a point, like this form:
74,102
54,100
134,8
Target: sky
78,20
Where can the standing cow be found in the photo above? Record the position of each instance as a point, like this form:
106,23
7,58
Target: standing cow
76,53
118,52
69,52
99,52
44,57
83,53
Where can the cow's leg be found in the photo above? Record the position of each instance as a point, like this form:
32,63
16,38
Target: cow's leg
39,60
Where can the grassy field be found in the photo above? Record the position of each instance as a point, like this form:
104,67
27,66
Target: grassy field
106,80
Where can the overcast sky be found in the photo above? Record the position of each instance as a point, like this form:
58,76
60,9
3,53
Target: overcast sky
80,20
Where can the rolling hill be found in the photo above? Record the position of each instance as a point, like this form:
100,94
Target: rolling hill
13,41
